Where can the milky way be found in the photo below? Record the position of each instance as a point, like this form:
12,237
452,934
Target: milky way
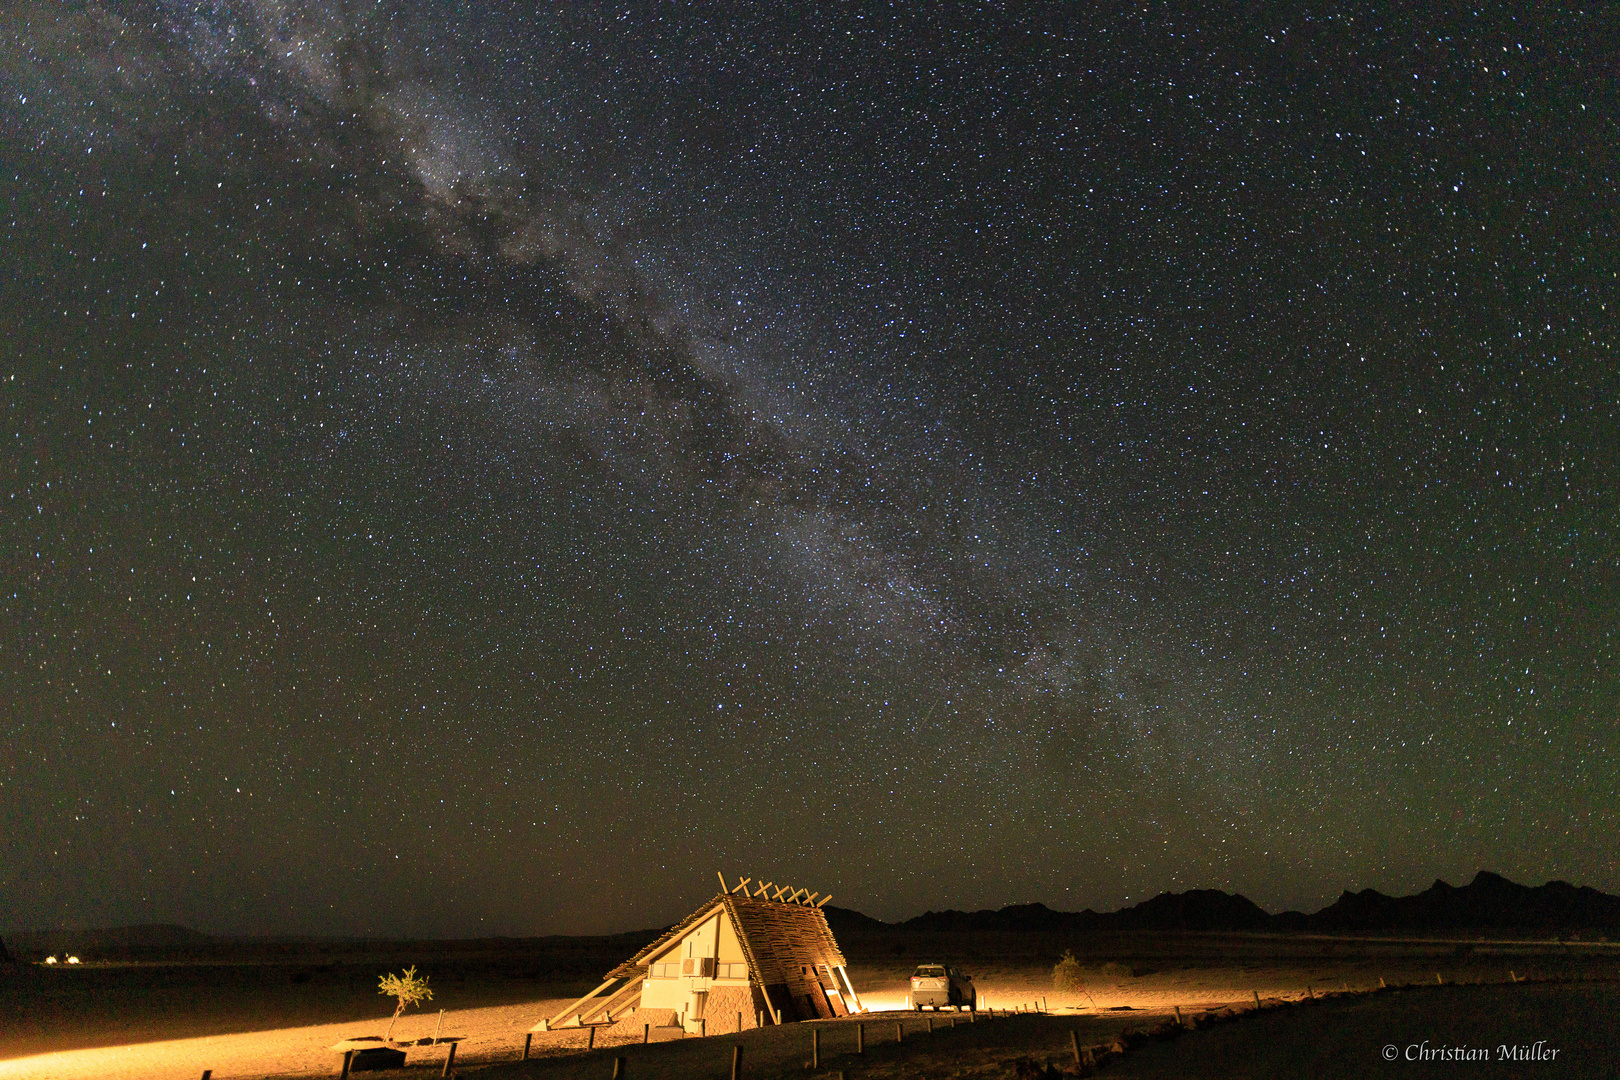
492,459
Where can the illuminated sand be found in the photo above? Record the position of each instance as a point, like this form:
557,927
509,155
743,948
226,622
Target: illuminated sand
1337,1039
299,1051
1194,972
1345,1038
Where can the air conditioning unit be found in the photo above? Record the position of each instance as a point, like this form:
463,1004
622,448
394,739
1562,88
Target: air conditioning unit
700,966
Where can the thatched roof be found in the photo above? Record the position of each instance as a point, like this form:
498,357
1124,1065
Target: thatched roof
777,938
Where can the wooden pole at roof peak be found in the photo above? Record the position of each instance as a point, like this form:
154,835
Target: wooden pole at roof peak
742,886
823,901
764,888
723,886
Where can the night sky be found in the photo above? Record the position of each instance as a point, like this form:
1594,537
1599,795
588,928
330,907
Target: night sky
471,469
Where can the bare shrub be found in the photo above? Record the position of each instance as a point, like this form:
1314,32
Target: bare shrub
1069,977
1067,974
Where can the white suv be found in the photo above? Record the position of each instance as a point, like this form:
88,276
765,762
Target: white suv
941,985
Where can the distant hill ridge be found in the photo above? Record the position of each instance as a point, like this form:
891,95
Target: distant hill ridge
1489,902
145,936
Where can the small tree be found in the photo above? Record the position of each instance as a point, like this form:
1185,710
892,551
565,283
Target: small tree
408,989
1069,976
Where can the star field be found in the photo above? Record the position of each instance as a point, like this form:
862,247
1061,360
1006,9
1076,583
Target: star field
492,458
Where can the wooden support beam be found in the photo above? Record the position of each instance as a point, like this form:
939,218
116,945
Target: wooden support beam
843,977
723,886
742,886
547,1025
779,893
823,901
810,901
763,888
618,998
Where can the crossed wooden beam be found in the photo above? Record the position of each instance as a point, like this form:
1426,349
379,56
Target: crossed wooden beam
785,894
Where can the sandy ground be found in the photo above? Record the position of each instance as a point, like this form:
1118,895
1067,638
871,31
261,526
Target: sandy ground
981,1048
1576,1025
1572,1028
485,1034
176,1021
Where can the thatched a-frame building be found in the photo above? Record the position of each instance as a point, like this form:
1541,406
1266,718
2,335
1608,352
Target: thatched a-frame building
748,957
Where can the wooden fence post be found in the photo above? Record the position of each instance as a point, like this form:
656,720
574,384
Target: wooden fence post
527,1040
815,1048
449,1060
736,1061
646,1034
1256,994
1074,1041
590,1040
618,1068
860,1038
897,1034
348,1060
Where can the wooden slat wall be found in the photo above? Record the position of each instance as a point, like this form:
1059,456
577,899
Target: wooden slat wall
783,938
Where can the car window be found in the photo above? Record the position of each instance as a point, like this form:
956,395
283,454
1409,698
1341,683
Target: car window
930,971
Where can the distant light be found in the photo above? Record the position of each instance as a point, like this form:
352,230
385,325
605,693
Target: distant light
73,960
50,959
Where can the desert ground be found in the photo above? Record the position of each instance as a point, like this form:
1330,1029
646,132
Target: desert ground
273,1010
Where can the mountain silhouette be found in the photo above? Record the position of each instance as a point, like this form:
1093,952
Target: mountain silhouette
1490,901
1197,909
154,936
